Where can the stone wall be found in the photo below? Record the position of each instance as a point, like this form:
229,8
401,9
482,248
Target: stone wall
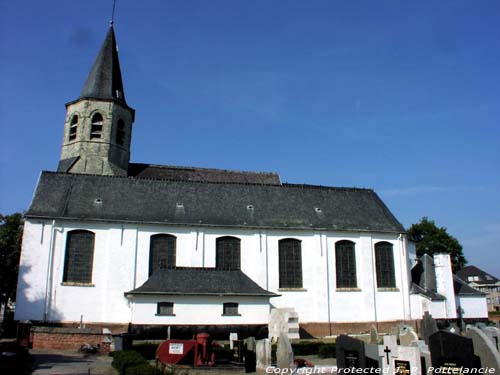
323,329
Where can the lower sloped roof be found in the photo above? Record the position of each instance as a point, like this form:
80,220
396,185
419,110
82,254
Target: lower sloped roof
201,281
128,199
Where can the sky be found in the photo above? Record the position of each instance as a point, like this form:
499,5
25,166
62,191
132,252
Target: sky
399,96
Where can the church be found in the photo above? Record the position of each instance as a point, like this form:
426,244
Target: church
123,245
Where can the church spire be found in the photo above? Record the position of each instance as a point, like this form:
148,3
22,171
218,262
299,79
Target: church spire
105,79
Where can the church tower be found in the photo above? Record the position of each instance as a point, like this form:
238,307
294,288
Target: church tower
98,127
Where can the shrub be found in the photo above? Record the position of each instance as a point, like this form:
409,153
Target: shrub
327,351
142,369
127,358
306,347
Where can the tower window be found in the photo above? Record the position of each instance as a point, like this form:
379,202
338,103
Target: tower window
96,127
345,264
290,263
120,132
73,127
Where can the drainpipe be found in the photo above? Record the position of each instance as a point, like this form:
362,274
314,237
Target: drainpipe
374,278
402,262
327,282
135,255
48,283
267,264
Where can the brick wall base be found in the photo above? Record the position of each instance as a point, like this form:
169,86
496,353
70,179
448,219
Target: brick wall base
61,338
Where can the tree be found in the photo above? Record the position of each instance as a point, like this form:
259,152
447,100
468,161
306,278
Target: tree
11,231
432,239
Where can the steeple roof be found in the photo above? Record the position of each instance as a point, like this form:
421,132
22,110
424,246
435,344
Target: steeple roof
105,79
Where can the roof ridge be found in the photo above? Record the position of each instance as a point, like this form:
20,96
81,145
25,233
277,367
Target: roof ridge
203,168
282,185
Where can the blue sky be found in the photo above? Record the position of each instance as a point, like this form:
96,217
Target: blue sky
401,97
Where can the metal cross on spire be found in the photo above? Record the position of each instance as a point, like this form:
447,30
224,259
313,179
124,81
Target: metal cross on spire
113,14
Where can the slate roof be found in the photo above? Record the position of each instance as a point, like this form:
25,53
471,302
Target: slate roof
104,81
168,172
126,199
484,277
462,289
201,281
432,295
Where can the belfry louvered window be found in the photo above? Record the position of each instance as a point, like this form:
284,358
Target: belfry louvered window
345,264
120,132
161,252
73,128
96,126
227,253
384,261
290,263
79,257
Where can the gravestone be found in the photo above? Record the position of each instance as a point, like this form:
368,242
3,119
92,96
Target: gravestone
484,348
263,352
425,355
493,334
406,360
250,355
351,354
450,352
284,352
233,336
428,327
373,335
407,335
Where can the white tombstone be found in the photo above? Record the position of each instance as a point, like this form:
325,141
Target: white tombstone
484,348
284,352
233,336
263,353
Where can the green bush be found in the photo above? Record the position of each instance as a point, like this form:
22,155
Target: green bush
306,347
142,369
327,351
147,350
125,359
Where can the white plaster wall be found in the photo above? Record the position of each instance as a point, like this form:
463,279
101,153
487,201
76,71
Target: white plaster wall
444,283
34,263
191,310
474,307
121,263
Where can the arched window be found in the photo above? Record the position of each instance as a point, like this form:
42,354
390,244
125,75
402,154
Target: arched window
73,127
345,264
79,257
384,261
290,263
96,126
120,132
227,253
161,252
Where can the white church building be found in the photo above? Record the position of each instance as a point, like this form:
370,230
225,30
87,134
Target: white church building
118,244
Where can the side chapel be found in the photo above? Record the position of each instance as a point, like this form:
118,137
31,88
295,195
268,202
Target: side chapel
120,244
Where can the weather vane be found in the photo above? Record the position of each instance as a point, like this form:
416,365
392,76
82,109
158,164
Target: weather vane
113,13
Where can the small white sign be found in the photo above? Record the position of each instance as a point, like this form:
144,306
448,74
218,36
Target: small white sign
176,348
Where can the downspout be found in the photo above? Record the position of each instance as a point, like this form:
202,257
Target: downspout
135,255
374,278
327,282
267,265
48,283
402,261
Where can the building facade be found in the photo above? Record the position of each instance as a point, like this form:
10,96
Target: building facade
115,243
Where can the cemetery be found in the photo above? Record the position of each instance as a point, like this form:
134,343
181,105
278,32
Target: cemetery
450,350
